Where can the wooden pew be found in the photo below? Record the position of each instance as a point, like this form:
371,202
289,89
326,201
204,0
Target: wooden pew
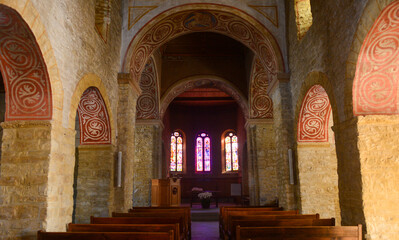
300,233
231,212
183,224
139,220
268,222
186,210
224,210
125,228
105,235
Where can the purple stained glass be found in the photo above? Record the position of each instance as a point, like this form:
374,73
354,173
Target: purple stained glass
179,154
207,154
173,153
198,154
235,153
228,153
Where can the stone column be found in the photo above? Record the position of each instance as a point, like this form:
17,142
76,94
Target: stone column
129,92
147,160
279,91
25,158
94,182
261,161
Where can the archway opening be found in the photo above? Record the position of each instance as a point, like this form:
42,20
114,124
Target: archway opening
316,155
208,111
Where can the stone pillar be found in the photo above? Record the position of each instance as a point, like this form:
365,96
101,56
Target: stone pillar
26,147
279,91
349,173
129,91
147,160
262,167
95,182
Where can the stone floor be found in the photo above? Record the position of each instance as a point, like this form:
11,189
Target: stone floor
205,230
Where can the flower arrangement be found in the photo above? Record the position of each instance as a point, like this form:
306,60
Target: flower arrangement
204,195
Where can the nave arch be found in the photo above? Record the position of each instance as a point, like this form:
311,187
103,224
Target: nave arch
371,127
315,148
94,147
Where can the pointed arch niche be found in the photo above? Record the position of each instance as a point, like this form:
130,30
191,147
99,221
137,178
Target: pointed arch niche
93,174
316,155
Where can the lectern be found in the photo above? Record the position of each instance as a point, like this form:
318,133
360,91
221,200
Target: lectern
165,192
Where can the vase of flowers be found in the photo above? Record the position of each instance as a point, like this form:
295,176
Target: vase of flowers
205,198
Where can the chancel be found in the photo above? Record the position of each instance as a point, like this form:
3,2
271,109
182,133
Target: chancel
260,118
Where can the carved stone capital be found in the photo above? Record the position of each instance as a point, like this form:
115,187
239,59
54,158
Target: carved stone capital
126,78
281,77
26,124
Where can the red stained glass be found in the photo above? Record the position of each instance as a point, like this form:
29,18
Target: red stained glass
176,152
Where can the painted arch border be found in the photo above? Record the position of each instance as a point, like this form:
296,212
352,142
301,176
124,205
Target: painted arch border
87,81
134,43
312,79
371,12
32,18
199,80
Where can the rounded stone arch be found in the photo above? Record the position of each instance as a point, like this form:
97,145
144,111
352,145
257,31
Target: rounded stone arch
353,91
312,79
221,19
31,18
91,80
201,80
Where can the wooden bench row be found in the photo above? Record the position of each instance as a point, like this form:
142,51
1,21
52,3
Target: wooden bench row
142,224
273,224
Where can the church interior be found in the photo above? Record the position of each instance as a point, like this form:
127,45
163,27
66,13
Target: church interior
294,102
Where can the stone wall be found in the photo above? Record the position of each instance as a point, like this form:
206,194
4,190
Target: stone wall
148,150
264,169
378,147
94,182
128,95
317,165
24,178
283,128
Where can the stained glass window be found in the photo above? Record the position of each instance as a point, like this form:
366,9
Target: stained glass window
203,153
176,152
231,152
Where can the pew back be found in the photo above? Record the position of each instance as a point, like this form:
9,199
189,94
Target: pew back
300,233
105,235
125,228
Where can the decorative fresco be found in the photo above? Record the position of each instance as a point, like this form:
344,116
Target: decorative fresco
218,21
269,12
375,87
137,12
94,122
261,104
314,116
26,80
147,104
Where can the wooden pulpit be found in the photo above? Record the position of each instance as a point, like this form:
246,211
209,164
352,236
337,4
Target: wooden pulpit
165,192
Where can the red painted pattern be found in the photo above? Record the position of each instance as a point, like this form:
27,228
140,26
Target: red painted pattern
314,116
147,104
375,87
261,103
26,81
94,122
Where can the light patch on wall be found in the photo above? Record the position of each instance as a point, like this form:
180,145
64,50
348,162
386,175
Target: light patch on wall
102,18
269,12
304,19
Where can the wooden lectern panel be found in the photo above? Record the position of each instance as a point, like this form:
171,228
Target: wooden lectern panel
165,192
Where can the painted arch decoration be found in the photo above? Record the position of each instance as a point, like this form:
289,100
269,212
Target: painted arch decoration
25,76
95,127
261,105
314,116
206,17
375,86
147,104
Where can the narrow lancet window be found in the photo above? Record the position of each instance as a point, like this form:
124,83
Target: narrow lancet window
203,153
230,152
176,152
